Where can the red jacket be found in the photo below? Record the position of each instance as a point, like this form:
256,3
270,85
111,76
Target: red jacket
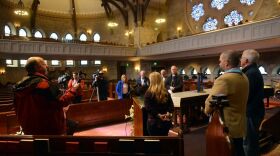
79,90
39,106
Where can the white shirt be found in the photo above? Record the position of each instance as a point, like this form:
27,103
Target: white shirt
125,88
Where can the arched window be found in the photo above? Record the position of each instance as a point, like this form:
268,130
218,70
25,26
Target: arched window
22,32
7,30
182,72
220,72
38,34
68,37
207,71
54,36
83,37
96,37
194,72
262,70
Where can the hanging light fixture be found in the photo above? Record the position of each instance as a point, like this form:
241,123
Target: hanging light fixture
160,19
112,24
20,10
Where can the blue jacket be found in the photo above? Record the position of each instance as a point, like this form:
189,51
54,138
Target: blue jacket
119,89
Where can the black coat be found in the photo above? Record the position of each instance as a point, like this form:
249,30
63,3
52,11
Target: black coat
177,82
255,104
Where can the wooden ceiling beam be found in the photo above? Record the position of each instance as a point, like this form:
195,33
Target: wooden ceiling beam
34,8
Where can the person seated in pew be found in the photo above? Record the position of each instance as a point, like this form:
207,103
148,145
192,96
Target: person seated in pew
78,82
159,106
123,88
234,84
39,103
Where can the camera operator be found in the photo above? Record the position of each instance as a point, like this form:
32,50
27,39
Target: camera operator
78,83
101,85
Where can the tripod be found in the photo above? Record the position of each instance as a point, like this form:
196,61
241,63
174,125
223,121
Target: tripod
95,91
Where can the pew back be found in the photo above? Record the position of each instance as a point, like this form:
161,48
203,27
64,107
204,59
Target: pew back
72,145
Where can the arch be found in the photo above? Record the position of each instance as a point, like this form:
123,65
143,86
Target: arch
41,31
83,37
27,31
262,70
38,34
7,30
276,71
13,28
22,32
54,36
96,37
68,37
217,72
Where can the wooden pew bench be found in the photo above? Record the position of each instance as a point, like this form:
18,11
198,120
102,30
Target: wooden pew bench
8,123
105,146
98,113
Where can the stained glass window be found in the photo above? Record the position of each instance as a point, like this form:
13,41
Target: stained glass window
210,24
197,11
233,18
219,4
247,2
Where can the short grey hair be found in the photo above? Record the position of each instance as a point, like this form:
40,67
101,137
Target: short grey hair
252,55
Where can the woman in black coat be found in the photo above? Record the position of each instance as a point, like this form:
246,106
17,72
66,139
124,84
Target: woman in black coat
159,106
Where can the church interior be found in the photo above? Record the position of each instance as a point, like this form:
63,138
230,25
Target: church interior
119,37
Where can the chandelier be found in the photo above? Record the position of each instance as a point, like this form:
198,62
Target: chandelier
20,9
160,18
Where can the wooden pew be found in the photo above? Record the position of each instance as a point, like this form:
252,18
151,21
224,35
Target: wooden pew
98,113
6,107
105,146
8,123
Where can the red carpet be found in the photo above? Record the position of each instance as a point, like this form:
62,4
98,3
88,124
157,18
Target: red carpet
122,129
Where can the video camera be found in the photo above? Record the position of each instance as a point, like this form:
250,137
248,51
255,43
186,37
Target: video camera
219,101
63,79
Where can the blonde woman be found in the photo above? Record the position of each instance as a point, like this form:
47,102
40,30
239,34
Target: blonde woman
123,88
159,106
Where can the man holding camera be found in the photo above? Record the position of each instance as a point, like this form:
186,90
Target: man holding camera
38,102
234,84
101,85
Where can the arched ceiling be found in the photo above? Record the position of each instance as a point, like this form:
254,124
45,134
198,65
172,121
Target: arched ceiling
83,7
